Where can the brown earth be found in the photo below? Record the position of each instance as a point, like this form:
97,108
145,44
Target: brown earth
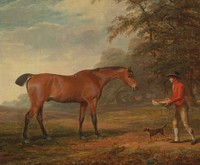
123,142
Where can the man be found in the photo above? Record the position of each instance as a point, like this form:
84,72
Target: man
181,105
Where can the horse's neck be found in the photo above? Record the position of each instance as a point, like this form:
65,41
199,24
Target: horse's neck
106,76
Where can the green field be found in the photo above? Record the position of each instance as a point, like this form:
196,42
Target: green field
123,142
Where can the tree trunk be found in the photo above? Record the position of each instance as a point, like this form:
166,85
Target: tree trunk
191,96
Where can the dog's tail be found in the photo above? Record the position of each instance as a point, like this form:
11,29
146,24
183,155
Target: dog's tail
164,126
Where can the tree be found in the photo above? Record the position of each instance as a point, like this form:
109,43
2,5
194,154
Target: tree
170,31
112,91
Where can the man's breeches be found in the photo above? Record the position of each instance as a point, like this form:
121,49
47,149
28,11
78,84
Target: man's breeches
182,114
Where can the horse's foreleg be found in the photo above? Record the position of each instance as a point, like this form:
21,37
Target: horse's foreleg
83,107
92,106
40,121
94,121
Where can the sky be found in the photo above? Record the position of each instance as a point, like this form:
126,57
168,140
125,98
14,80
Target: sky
52,36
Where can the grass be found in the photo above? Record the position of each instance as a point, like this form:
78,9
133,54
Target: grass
123,140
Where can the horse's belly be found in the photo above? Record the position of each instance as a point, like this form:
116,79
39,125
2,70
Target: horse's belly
63,99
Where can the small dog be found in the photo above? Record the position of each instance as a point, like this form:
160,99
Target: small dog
153,132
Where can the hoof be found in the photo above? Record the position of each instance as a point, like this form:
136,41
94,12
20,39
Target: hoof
83,137
175,141
48,138
193,142
99,137
26,141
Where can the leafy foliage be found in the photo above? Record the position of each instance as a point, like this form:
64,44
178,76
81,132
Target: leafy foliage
170,31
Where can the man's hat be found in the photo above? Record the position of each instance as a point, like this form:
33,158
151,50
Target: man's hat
175,74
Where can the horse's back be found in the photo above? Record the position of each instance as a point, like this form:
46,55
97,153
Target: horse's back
47,79
47,86
63,88
42,78
87,75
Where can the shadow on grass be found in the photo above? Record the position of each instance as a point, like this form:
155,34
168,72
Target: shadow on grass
188,140
114,132
58,135
105,133
68,133
11,138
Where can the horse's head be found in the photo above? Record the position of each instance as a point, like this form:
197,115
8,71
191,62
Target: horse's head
127,77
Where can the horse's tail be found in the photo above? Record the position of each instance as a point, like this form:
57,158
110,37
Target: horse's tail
22,79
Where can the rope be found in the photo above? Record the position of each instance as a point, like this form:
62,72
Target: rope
167,110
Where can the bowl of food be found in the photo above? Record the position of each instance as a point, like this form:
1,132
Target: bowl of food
161,102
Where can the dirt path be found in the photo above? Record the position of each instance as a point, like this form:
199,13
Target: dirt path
134,141
132,148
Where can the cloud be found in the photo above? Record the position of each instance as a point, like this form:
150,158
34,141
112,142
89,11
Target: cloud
5,3
27,13
55,36
51,39
23,13
100,12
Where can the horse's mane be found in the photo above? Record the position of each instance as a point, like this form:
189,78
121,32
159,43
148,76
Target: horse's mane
108,68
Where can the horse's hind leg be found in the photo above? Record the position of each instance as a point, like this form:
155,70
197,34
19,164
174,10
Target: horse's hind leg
27,120
30,114
40,121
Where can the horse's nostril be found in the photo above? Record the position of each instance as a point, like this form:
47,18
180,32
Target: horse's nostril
136,88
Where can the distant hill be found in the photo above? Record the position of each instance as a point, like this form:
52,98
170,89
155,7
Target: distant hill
7,108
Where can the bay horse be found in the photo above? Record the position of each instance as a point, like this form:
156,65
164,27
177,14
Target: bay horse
84,87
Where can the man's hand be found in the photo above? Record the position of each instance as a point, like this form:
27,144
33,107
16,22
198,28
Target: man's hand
168,103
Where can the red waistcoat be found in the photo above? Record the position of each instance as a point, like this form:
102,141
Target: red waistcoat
178,97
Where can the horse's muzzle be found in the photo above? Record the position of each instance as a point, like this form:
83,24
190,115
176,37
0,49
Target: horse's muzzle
135,88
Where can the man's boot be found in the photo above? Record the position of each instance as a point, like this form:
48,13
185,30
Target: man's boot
194,141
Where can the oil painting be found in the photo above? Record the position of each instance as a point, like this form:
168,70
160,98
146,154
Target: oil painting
99,82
